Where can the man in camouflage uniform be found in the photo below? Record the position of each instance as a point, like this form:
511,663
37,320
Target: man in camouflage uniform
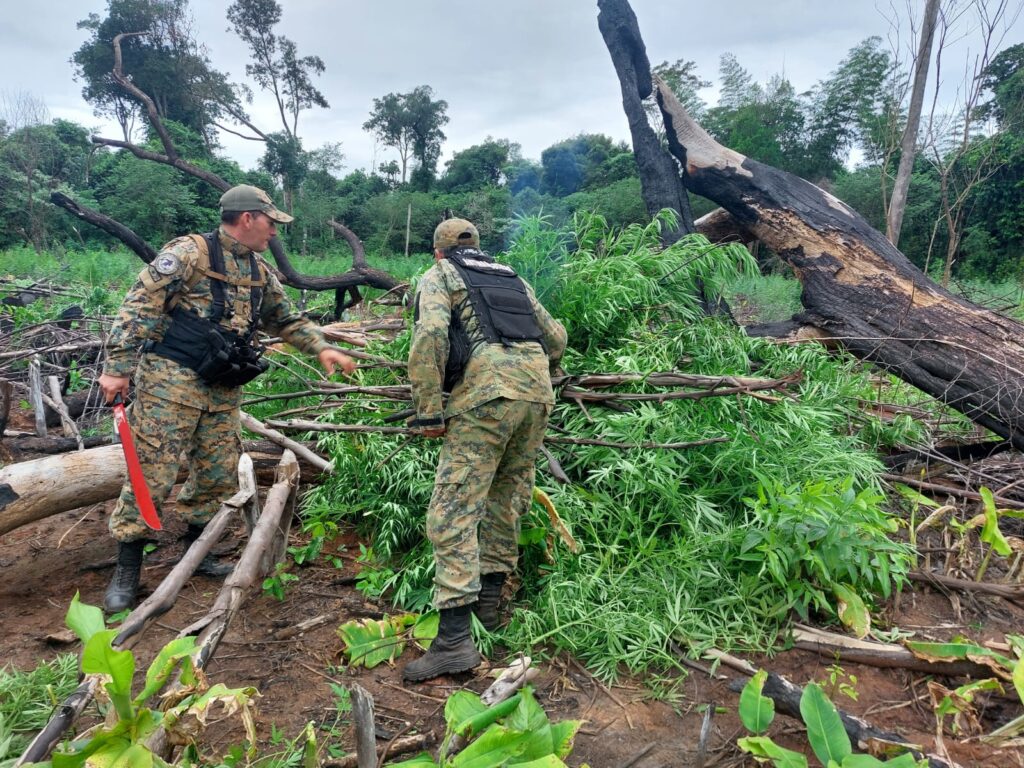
493,425
175,409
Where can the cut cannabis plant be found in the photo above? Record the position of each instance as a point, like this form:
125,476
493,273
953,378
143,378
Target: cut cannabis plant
824,544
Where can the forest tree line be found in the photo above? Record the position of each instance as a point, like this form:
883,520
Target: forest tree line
970,158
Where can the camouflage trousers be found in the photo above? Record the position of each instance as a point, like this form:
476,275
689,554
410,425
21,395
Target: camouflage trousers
162,430
484,484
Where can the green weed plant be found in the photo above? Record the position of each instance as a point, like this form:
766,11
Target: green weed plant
28,698
663,565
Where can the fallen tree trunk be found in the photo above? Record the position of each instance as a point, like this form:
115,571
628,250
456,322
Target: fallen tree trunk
33,490
857,287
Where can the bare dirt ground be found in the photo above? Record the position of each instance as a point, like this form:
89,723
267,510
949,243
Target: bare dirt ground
44,564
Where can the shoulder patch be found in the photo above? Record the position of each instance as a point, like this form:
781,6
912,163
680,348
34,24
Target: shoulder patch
167,264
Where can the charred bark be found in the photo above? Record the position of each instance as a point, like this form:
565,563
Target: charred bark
660,182
858,288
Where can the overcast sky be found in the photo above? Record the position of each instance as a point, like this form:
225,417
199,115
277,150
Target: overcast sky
533,71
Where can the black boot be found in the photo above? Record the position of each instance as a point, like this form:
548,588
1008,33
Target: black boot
486,606
452,650
210,565
124,584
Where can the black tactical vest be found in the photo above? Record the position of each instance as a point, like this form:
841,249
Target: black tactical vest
502,307
219,355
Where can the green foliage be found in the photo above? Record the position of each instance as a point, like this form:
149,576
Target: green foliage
661,532
411,124
370,642
515,732
813,538
583,162
166,63
28,698
121,738
825,732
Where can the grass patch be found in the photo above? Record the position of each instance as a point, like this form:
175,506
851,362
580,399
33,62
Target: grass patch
757,298
27,700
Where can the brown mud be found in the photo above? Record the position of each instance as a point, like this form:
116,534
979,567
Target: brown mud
42,566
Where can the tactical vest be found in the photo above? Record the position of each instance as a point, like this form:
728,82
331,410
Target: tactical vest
502,307
219,355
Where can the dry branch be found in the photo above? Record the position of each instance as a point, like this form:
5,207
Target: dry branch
165,595
884,655
255,425
64,717
249,570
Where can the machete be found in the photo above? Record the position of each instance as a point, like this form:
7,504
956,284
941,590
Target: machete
131,458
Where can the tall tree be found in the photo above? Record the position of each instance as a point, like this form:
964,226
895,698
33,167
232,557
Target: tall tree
411,124
908,143
165,62
951,142
276,65
479,166
845,109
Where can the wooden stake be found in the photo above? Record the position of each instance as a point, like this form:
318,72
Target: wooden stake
366,732
35,394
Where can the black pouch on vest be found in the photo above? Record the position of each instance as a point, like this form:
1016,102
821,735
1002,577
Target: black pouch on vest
229,361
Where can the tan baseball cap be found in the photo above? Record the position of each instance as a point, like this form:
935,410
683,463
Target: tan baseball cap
456,232
245,197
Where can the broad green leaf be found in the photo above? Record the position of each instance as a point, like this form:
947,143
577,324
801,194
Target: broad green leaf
422,760
371,642
537,744
495,746
764,747
958,650
529,715
562,736
913,496
99,657
476,723
548,761
164,664
756,711
462,705
84,620
990,532
968,690
425,629
121,754
863,761
824,728
906,760
851,610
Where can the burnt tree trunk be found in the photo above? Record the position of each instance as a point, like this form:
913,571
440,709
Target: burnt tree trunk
660,182
858,289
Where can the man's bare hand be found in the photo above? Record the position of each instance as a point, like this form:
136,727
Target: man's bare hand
431,432
332,357
111,386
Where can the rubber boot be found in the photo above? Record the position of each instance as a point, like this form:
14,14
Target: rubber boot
452,650
211,565
124,584
486,606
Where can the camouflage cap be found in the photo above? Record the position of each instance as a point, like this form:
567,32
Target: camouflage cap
456,232
245,197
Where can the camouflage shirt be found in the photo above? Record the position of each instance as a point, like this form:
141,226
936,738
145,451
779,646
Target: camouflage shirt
517,372
142,318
